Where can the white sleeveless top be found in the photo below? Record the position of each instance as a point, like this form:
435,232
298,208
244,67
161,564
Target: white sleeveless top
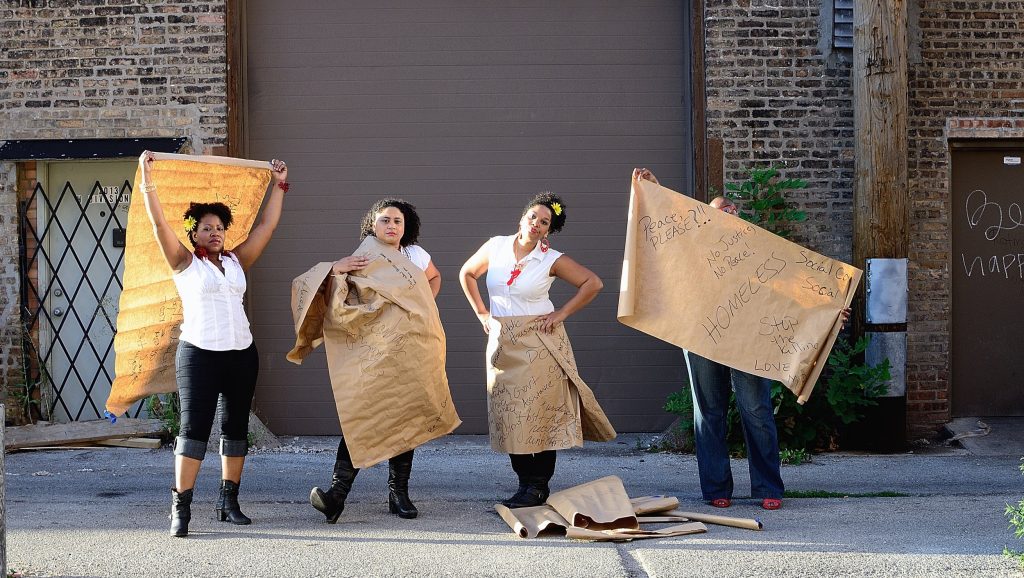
418,255
212,305
528,294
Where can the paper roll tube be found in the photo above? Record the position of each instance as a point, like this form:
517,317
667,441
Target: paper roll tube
745,523
653,504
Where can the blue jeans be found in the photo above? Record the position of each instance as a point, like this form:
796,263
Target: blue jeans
710,383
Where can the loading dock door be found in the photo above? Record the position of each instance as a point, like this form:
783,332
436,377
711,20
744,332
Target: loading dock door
466,109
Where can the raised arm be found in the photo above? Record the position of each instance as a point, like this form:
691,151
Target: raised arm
251,249
468,276
587,283
177,255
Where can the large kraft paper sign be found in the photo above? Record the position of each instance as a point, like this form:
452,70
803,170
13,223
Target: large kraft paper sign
149,315
385,352
729,291
536,398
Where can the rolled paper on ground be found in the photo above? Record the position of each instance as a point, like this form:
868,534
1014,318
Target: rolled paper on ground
652,504
534,521
745,523
625,535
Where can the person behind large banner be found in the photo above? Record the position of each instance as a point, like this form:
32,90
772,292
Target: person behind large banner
216,357
537,403
396,225
710,384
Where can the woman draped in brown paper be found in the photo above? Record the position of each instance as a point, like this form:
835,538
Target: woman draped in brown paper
216,361
395,223
537,403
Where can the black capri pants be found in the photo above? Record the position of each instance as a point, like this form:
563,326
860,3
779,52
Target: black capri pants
205,376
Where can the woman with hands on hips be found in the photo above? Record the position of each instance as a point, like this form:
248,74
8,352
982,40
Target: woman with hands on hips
520,270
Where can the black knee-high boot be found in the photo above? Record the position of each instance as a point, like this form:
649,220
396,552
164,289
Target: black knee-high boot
227,508
399,469
181,512
332,502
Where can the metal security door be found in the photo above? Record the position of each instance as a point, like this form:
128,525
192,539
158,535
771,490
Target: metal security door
73,232
988,279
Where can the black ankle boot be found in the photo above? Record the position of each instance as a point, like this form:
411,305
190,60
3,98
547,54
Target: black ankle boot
332,502
181,512
532,492
399,468
227,507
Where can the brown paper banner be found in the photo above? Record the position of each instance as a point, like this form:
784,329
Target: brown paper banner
385,352
149,315
598,505
536,398
729,291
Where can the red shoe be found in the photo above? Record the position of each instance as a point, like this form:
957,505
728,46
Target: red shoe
721,502
771,504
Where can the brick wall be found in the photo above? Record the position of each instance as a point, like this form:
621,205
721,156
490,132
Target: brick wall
969,83
113,69
10,286
101,69
777,93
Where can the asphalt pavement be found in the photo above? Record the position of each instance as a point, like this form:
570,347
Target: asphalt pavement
103,512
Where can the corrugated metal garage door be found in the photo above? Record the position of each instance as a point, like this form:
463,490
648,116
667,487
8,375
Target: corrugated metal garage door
465,109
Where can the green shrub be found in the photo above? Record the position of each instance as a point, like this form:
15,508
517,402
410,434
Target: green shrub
762,200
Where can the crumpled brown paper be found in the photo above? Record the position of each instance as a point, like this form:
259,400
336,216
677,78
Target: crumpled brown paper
536,398
729,291
598,511
385,352
149,314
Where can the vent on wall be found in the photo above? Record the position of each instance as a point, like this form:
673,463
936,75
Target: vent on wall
842,23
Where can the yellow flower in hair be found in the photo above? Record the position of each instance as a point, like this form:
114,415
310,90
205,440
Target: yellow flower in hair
190,224
557,208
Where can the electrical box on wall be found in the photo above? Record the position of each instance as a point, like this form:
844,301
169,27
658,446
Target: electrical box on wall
886,291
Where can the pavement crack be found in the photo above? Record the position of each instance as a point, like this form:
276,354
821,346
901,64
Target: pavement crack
631,565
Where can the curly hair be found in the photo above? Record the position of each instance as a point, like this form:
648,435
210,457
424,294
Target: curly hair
199,210
549,199
412,220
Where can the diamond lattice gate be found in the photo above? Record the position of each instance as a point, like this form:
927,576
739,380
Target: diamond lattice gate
72,259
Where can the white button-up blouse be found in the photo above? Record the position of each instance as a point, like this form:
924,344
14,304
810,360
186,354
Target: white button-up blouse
528,294
212,305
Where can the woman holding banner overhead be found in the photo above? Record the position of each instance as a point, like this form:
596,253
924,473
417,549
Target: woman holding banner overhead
375,311
216,357
537,403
